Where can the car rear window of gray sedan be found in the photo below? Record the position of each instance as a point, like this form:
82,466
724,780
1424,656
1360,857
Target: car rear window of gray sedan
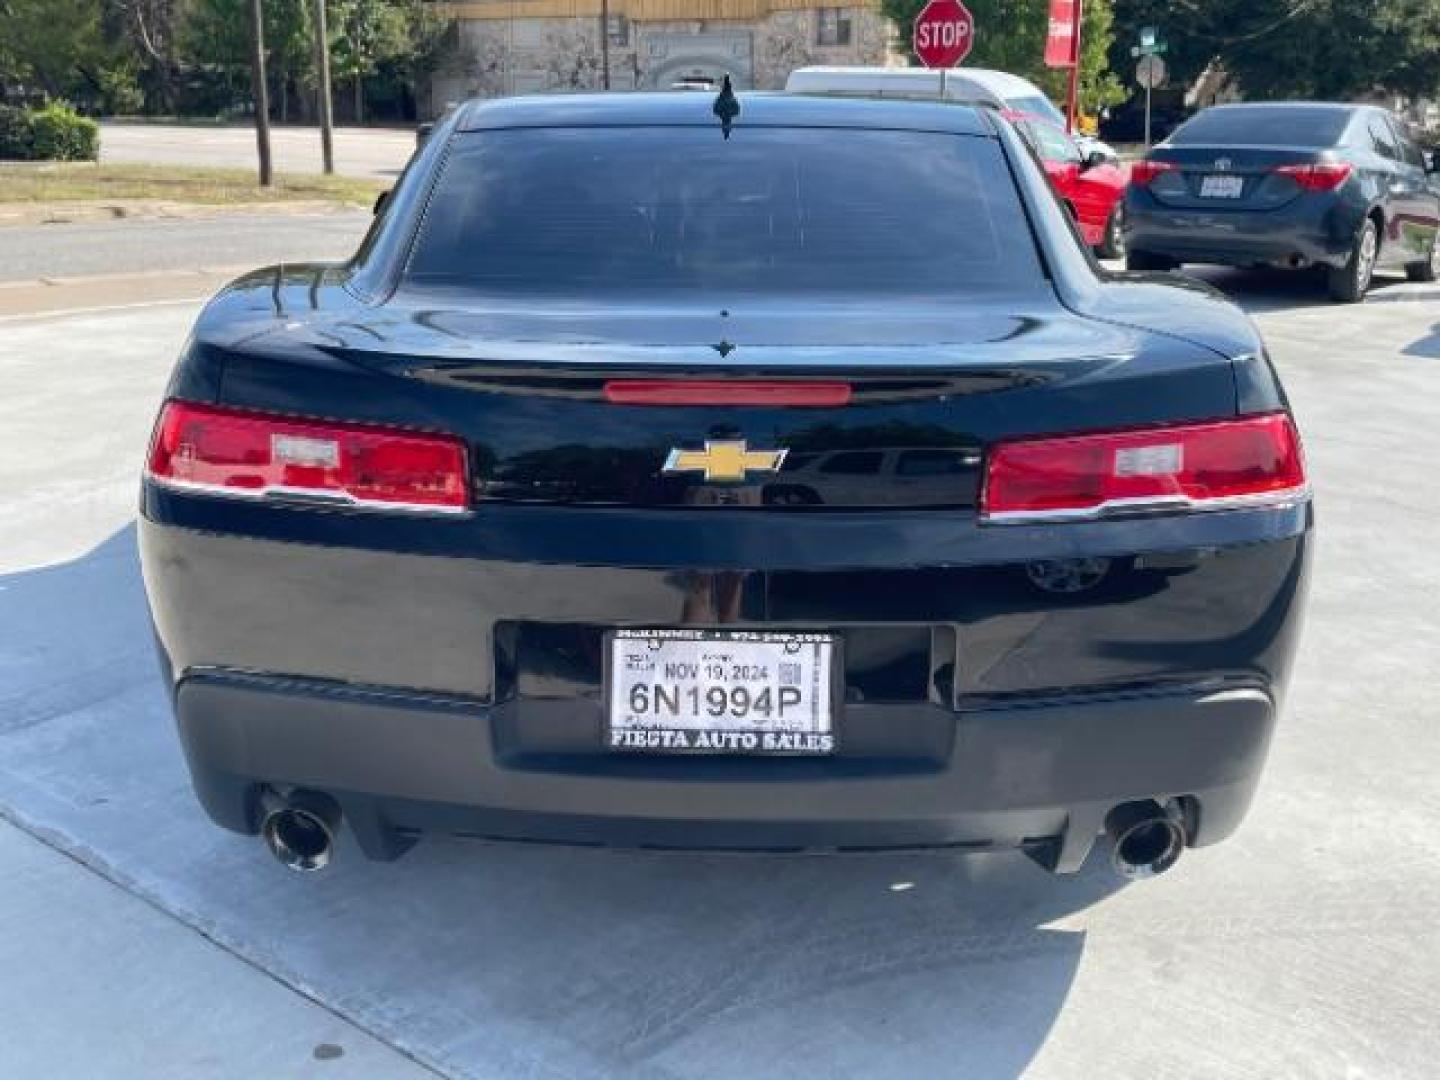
770,210
1263,125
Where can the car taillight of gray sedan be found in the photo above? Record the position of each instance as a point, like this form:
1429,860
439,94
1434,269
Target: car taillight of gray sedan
797,485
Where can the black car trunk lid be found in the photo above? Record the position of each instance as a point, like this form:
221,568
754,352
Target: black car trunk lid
910,393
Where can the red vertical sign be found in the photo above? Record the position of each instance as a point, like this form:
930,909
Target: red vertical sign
1062,42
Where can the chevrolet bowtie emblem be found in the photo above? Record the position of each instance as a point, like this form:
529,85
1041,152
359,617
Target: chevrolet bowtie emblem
727,461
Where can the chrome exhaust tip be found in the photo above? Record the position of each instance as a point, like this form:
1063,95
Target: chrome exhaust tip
300,829
1146,839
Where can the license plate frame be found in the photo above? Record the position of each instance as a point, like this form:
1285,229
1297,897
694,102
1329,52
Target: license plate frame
1222,186
815,735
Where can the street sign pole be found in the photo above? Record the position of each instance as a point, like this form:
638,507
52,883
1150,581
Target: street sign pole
1148,92
1073,103
942,36
1150,72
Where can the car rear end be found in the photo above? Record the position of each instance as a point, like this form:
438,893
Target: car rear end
1249,185
475,559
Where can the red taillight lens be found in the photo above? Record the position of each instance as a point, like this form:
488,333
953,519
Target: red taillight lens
1195,466
1143,172
1324,176
726,392
205,447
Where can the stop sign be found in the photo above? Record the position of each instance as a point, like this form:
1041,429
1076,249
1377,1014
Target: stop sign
944,32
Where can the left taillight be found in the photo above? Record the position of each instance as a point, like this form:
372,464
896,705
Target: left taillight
1248,461
263,455
1143,173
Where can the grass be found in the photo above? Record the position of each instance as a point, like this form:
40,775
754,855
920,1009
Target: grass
88,182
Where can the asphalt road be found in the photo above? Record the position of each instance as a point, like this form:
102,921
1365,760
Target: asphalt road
370,152
229,240
1307,946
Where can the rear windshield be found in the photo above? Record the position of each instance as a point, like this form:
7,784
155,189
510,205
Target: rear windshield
1262,125
771,210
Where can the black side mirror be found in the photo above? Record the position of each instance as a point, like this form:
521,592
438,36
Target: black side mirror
1432,161
380,201
1093,159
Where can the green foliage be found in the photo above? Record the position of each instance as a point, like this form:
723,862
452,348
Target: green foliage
119,88
49,45
1010,36
366,33
383,40
15,140
216,33
1335,49
54,133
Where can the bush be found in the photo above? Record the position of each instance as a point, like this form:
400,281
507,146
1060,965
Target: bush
15,141
54,133
59,133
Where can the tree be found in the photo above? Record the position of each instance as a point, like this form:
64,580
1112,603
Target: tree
367,34
55,48
145,35
1010,35
1295,48
216,35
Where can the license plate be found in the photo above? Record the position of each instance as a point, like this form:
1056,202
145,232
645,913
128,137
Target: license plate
716,692
1222,187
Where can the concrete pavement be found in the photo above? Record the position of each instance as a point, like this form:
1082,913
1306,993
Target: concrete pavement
1304,947
98,982
370,152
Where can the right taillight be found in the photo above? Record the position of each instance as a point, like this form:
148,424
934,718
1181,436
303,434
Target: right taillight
237,452
1322,176
1143,172
1249,461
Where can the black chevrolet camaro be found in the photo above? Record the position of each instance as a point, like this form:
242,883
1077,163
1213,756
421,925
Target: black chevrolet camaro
661,474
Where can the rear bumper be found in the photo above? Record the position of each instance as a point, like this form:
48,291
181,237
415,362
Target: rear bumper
1002,687
1041,776
1317,229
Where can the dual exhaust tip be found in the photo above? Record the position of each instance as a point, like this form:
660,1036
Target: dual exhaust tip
299,829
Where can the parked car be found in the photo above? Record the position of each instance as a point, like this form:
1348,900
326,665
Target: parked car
1091,186
468,534
1338,187
983,86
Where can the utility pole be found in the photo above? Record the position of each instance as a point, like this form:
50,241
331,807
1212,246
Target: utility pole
605,44
322,65
262,95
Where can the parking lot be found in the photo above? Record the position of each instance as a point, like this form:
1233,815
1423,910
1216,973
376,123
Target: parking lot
1306,946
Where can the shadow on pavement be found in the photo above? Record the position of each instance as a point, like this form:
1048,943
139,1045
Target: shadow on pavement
1267,290
493,959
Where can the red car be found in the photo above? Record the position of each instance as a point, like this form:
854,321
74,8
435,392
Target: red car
1092,188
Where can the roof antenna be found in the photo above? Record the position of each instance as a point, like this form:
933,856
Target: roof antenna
726,107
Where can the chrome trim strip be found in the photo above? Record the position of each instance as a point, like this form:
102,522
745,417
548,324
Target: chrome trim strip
1169,504
288,496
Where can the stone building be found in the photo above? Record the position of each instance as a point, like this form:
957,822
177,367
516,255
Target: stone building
529,46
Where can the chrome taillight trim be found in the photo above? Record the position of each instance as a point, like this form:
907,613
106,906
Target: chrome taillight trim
303,497
1148,507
